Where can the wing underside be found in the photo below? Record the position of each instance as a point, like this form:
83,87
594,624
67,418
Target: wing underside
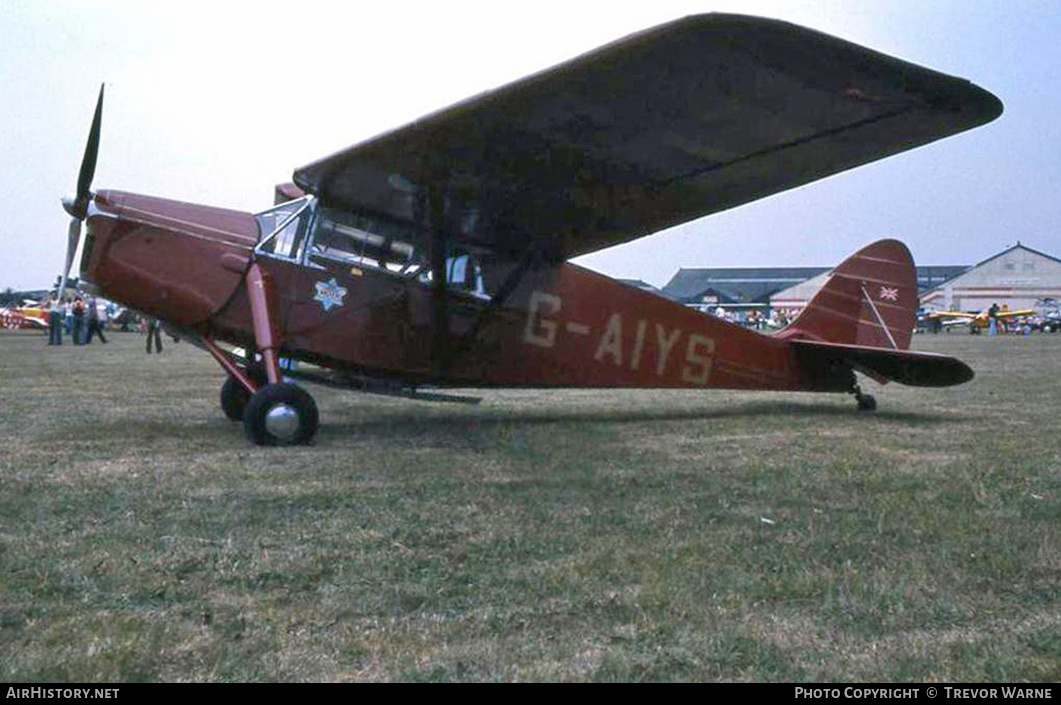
676,122
952,314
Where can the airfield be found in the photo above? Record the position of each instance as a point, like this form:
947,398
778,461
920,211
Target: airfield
541,535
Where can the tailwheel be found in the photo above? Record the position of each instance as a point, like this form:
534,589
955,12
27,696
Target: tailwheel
866,402
280,414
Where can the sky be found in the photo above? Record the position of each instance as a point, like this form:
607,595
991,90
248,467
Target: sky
216,102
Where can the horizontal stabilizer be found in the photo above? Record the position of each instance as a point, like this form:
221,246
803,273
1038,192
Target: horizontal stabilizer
916,369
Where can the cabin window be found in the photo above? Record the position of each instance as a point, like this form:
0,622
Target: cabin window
283,228
369,242
349,238
463,273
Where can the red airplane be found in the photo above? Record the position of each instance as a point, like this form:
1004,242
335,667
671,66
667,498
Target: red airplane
27,317
436,254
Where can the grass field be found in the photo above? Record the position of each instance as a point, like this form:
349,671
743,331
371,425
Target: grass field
636,535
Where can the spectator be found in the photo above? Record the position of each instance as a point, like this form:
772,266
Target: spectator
55,320
992,319
94,327
68,314
154,332
78,309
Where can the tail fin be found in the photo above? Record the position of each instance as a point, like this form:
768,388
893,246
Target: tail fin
869,300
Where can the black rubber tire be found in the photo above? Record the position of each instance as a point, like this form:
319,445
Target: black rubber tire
234,398
273,397
866,402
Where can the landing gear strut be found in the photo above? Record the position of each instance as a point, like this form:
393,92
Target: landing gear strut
866,402
274,412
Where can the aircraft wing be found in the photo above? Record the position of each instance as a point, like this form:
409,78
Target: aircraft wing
1011,314
661,127
951,314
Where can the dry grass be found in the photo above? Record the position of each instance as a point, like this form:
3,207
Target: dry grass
637,535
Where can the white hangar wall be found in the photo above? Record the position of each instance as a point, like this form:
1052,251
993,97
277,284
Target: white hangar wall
1018,277
796,297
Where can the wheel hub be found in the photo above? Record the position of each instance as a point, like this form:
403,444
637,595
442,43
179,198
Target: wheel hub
281,421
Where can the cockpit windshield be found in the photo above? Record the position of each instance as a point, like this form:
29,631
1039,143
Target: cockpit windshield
283,228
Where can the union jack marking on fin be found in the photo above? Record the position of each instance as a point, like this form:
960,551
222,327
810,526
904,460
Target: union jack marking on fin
887,294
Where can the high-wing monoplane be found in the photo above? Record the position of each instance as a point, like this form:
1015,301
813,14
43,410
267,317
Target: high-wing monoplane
978,321
436,254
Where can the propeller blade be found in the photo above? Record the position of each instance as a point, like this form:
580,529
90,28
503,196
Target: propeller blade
73,236
88,162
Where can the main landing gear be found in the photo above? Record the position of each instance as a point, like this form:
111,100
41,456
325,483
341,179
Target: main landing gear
234,396
866,402
274,412
280,414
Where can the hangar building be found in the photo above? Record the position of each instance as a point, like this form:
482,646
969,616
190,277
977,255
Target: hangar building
778,287
734,286
928,277
1018,277
643,285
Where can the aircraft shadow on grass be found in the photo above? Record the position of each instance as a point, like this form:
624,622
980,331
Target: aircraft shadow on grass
413,424
402,424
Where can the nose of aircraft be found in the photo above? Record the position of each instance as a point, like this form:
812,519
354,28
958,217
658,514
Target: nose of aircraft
177,261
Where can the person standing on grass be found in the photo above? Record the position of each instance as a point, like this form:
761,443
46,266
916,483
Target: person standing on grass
68,314
55,320
94,327
154,332
78,333
992,319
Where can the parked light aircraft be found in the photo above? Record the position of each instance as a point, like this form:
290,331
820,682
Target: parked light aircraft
977,321
29,316
436,253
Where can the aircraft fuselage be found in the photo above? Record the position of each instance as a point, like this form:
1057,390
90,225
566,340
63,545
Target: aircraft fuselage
560,325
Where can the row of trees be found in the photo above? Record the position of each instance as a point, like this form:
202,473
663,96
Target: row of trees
10,297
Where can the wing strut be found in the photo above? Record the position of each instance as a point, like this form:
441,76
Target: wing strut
509,285
440,311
